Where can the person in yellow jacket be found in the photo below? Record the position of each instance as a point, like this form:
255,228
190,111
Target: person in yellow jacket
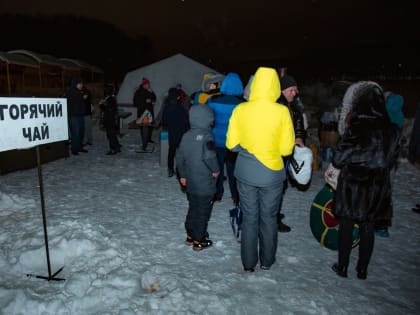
261,131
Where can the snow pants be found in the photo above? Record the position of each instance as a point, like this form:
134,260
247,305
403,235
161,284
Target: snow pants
198,216
260,206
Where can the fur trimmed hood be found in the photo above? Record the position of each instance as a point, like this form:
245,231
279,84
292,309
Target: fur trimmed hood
363,99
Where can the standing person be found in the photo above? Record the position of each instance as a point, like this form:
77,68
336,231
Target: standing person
87,98
144,99
175,119
261,131
198,170
223,104
209,86
76,108
110,120
365,154
289,97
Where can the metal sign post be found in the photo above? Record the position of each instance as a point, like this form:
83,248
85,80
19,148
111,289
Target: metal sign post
44,221
27,123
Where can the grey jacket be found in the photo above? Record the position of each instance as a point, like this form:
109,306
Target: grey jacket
196,156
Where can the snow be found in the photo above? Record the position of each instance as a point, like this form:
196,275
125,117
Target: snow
116,224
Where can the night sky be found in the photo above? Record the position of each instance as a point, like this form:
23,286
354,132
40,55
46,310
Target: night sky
240,32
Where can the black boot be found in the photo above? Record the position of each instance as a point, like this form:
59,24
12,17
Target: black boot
361,272
283,228
340,270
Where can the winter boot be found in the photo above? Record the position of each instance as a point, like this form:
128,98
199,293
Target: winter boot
283,228
189,241
361,272
340,270
202,245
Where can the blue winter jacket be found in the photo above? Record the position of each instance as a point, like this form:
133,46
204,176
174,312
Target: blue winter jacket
223,105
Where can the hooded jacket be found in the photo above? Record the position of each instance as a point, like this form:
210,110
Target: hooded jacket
201,97
196,156
262,131
223,105
365,154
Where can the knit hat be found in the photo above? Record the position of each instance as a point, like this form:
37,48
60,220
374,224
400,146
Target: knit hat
286,82
144,82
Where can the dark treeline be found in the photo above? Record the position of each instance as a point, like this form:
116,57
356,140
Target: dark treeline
93,41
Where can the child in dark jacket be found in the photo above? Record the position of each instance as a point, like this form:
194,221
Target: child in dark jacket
198,170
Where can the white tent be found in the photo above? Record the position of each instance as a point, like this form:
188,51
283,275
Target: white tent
163,75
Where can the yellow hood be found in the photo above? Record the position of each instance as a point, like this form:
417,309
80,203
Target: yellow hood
265,85
261,126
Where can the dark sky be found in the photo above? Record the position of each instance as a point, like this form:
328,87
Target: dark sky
248,29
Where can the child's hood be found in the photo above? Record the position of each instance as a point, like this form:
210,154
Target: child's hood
201,116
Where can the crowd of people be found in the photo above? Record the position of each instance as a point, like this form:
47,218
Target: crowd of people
251,131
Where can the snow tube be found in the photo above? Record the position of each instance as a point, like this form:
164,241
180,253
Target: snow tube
324,225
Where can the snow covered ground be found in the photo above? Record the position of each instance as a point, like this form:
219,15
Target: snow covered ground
116,225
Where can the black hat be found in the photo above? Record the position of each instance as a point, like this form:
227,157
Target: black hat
287,81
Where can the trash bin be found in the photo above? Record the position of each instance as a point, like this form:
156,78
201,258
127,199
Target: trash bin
164,147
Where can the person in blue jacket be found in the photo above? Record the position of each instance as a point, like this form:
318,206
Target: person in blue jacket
231,91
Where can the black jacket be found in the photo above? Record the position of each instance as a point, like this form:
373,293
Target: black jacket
109,108
75,102
139,101
175,119
297,117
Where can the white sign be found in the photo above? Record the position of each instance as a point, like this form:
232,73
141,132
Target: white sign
28,122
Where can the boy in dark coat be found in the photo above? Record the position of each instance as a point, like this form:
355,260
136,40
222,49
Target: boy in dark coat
175,119
198,170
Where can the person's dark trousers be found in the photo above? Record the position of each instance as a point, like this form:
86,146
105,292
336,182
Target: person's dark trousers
171,156
228,157
77,132
259,223
230,168
111,134
345,242
221,155
198,216
146,135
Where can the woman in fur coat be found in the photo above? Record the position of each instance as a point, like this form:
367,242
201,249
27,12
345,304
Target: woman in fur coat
365,154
